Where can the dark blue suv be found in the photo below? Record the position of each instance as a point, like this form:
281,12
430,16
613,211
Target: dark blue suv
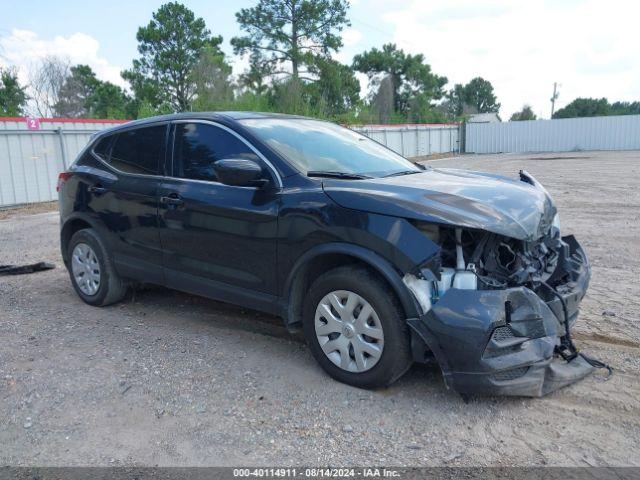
380,261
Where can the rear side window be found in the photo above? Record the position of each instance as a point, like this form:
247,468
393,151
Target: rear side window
137,151
198,146
103,147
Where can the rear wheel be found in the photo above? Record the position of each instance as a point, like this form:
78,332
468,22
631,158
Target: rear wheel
91,270
356,329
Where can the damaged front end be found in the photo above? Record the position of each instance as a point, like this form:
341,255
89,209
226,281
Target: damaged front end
492,275
493,314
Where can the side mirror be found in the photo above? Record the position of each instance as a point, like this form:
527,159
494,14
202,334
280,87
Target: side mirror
239,172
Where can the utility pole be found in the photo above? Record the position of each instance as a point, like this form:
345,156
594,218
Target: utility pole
554,97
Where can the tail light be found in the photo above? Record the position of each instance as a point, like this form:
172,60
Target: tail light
63,177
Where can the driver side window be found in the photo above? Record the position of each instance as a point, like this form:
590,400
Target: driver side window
198,146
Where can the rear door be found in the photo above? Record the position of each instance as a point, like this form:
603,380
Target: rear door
218,240
126,198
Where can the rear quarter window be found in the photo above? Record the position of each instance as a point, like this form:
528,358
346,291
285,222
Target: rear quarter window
134,151
103,147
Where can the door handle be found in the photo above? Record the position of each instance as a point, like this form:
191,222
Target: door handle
97,189
172,199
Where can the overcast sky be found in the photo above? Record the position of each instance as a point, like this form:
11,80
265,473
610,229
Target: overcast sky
590,47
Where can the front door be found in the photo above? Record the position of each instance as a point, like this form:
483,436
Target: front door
218,240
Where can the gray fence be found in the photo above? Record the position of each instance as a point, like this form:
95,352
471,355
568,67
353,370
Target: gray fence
415,140
561,135
30,160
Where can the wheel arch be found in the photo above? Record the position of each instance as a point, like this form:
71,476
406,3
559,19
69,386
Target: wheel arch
71,226
323,258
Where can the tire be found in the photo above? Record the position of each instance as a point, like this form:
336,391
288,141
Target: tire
110,288
387,315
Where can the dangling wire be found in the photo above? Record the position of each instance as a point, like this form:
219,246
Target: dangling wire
567,342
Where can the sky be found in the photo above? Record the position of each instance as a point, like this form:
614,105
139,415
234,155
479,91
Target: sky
590,47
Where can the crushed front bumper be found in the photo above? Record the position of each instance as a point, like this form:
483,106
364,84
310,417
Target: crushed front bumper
502,341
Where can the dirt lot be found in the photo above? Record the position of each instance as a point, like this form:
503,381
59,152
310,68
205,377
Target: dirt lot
31,209
172,379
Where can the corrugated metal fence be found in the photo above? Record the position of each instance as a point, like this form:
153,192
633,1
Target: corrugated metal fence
415,140
561,135
30,160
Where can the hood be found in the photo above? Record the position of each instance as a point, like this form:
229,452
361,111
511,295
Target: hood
520,209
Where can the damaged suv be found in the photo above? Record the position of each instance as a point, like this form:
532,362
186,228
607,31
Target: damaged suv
380,261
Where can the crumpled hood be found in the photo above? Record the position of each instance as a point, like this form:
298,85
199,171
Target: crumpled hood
467,199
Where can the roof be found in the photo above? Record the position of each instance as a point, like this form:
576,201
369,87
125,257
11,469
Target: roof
490,117
118,123
225,115
239,115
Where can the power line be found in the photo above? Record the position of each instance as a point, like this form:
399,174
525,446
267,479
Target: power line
384,32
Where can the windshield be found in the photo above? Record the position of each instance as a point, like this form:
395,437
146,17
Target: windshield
316,146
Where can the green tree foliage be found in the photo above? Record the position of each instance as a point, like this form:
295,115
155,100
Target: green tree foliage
290,96
255,78
289,44
454,105
405,77
421,110
584,107
74,95
334,94
170,46
290,33
596,107
525,114
13,96
336,91
478,93
252,102
475,97
212,79
110,101
83,95
625,108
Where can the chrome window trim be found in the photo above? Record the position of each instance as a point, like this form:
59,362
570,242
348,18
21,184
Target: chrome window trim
239,137
208,122
207,182
135,127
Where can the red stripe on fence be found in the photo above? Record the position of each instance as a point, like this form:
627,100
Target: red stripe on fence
66,120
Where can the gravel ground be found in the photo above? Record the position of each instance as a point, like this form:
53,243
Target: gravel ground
171,379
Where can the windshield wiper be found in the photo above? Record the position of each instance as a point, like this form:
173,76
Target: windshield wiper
403,172
332,174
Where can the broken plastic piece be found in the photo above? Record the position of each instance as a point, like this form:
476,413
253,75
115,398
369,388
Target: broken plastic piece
23,269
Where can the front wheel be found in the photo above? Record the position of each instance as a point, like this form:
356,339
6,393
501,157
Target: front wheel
356,329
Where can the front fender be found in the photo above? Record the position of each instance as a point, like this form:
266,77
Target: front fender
375,261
